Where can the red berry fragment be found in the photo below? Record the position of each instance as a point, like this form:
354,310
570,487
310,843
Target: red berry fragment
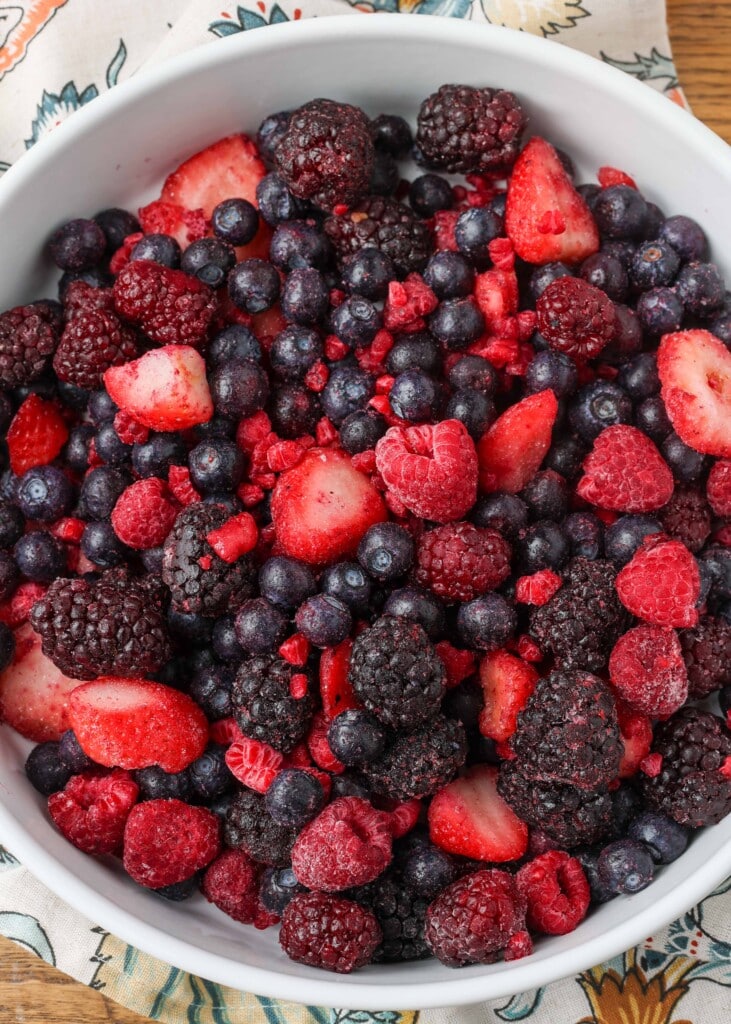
329,932
625,472
335,689
557,892
238,536
661,584
231,882
36,434
165,389
718,488
92,809
507,682
167,841
647,669
538,588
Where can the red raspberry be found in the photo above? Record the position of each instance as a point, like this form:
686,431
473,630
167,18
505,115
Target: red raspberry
16,611
460,561
718,488
556,890
92,341
347,844
432,470
231,883
408,303
458,664
539,588
624,472
404,817
608,176
518,945
180,486
81,297
144,514
328,932
253,763
129,430
167,841
473,919
577,318
171,307
28,336
648,671
92,809
661,584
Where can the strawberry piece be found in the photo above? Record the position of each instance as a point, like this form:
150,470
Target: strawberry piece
431,470
557,892
636,733
404,817
171,307
695,374
624,472
36,434
319,748
165,389
296,650
335,689
144,514
469,817
230,168
69,529
647,669
238,536
322,507
253,763
121,257
91,811
651,765
661,584
34,694
718,488
225,731
496,293
608,176
130,723
513,448
185,226
167,841
539,588
545,217
507,682
458,664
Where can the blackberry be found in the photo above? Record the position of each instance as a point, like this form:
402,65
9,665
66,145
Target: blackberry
112,626
568,815
221,587
687,517
28,338
568,732
385,224
400,913
707,655
263,706
584,619
249,826
397,674
419,763
460,128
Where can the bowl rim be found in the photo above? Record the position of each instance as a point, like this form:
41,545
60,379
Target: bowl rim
322,989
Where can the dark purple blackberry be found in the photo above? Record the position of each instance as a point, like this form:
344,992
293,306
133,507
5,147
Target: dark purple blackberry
28,339
687,517
249,826
113,626
421,762
385,224
400,912
691,787
460,128
210,687
584,619
264,707
707,655
568,732
570,816
209,587
397,674
326,153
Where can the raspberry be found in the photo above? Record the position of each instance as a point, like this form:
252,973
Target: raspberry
431,469
328,932
687,518
459,561
568,732
419,763
647,670
460,128
92,809
473,919
576,318
396,673
718,487
110,626
253,763
381,223
144,514
248,826
81,297
707,654
319,747
264,707
28,338
557,892
231,883
180,486
408,303
400,914
167,841
661,584
538,588
171,307
91,342
326,154
625,472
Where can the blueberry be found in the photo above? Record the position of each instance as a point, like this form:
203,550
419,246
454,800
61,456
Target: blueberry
225,645
639,377
625,536
40,557
415,396
546,496
686,463
253,285
626,805
109,447
77,245
76,451
628,336
44,493
97,277
487,622
541,277
305,296
235,221
295,411
239,388
625,866
472,408
664,838
155,784
498,204
71,755
620,248
102,546
429,193
209,774
208,259
598,889
720,325
660,311
349,785
157,248
585,534
276,203
11,524
506,513
392,134
543,545
278,886
298,243
260,626
386,551
386,176
285,582
176,892
449,275
724,700
553,370
414,352
270,134
418,606
9,576
456,323
347,391
598,405
589,192
606,272
157,454
700,287
361,431
6,411
686,236
44,769
349,583
216,465
356,738
368,273
718,561
101,408
356,321
473,372
473,232
654,265
324,620
189,627
152,560
71,396
427,870
233,343
620,212
652,419
7,646
294,351
116,224
210,687
294,798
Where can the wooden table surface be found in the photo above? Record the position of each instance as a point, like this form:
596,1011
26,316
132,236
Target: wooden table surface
31,992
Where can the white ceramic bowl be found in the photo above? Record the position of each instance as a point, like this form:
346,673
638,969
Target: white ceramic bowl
116,152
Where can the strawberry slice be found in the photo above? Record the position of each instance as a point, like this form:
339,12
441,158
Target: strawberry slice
335,689
253,763
695,373
130,723
507,682
469,817
36,435
636,732
516,444
546,219
165,389
185,226
34,694
322,507
496,293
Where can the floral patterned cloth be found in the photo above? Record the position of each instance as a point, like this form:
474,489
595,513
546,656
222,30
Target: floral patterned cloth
56,56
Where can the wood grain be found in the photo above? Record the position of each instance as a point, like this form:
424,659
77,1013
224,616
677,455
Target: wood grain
31,992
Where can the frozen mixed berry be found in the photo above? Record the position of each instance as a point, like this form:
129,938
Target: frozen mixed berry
418,763
347,844
28,339
419,606
297,244
707,654
400,913
264,706
248,826
159,248
254,285
329,932
382,223
625,866
576,318
663,836
77,245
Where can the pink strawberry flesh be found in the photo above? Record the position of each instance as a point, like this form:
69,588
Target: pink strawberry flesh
516,444
695,374
165,389
507,682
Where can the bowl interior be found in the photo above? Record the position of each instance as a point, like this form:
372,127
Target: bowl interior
116,153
